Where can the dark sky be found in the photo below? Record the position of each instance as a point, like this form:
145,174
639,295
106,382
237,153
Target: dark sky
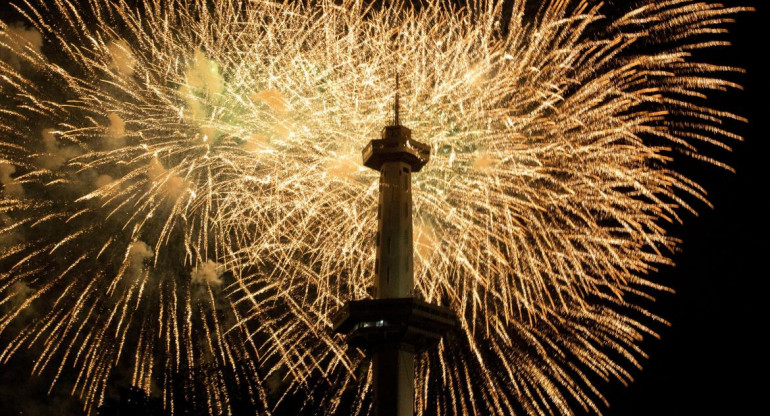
709,359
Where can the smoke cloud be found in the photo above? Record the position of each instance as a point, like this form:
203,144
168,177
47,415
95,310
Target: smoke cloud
123,60
274,99
137,254
344,166
203,75
115,136
208,273
201,91
11,188
103,180
485,161
11,237
55,155
425,241
173,184
19,40
19,293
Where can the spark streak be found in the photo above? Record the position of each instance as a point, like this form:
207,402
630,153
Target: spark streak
182,195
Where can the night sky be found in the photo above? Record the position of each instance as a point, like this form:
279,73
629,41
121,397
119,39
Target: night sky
707,358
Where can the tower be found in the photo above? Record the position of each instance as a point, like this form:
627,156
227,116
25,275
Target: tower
394,326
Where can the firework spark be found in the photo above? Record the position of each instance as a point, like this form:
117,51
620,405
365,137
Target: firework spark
183,198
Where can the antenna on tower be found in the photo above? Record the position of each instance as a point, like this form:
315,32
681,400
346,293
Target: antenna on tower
396,105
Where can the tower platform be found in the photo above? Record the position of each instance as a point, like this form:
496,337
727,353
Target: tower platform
409,324
396,145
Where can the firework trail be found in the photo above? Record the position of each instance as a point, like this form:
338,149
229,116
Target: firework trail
183,200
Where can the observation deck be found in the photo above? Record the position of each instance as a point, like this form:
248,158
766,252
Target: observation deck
396,145
409,324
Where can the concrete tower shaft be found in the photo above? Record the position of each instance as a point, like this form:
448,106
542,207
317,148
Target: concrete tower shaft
394,275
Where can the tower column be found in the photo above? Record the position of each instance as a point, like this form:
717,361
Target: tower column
393,369
394,276
393,381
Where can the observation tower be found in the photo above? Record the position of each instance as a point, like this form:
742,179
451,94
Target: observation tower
394,326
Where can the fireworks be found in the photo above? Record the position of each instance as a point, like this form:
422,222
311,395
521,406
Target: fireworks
183,199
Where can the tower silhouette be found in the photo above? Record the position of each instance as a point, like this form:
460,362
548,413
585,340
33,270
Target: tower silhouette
394,326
